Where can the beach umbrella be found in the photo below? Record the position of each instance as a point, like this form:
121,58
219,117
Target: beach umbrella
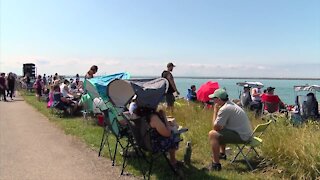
205,90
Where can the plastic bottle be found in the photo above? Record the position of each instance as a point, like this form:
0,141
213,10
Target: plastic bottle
187,154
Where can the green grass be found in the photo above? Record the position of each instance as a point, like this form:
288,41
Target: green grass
287,151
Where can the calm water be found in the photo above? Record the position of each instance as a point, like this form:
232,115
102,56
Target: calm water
284,88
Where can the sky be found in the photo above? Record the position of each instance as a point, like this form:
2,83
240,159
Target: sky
234,38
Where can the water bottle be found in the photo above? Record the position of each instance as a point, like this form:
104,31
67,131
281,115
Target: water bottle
187,153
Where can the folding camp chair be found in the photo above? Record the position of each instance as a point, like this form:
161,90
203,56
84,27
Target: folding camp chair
95,101
138,132
143,144
115,121
254,141
270,108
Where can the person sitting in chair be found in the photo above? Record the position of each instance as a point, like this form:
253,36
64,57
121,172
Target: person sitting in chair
162,138
231,125
312,107
256,104
61,102
192,95
245,98
272,98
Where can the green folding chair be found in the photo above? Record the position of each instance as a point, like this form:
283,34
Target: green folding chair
254,141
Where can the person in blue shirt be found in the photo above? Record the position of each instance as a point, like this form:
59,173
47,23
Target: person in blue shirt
192,95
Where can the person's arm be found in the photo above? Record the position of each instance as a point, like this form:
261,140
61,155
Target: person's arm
68,91
162,129
255,93
221,120
215,113
63,99
217,127
281,103
171,81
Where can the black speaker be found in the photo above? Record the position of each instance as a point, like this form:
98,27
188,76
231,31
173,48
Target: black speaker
29,68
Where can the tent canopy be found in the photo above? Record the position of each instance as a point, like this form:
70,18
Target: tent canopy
251,84
307,88
96,87
96,90
149,91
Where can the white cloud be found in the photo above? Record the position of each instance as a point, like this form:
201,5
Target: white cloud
109,65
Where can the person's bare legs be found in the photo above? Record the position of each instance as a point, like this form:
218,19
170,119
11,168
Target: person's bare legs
172,154
223,148
215,146
170,109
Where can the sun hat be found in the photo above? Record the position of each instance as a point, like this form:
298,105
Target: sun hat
219,93
270,89
170,65
246,86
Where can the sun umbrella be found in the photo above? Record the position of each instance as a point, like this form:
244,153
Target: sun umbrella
206,89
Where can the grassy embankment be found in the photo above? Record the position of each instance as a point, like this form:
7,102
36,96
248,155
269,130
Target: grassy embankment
287,151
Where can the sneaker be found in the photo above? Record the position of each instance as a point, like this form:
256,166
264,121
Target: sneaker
215,167
212,167
178,165
222,156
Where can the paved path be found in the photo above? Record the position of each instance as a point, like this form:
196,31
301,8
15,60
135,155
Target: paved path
31,147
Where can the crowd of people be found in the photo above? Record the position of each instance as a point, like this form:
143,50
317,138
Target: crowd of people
59,92
230,123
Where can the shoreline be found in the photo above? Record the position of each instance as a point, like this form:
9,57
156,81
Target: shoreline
217,77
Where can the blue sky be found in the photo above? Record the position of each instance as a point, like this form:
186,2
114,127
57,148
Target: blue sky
274,38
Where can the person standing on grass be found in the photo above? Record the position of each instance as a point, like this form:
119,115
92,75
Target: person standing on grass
38,87
231,125
172,87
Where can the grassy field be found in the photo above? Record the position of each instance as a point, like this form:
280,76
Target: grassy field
287,152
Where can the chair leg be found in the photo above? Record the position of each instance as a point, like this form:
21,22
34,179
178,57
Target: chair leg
103,141
169,163
255,151
115,152
107,140
245,158
125,157
240,150
150,168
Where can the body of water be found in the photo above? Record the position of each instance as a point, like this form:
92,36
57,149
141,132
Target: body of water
284,88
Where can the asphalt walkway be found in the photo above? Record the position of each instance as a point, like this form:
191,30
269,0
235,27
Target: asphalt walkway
31,147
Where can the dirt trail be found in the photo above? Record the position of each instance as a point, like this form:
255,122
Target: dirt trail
31,147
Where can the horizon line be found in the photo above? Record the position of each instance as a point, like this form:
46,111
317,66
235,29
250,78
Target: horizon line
221,77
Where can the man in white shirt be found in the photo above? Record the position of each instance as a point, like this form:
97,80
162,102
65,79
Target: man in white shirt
65,89
231,125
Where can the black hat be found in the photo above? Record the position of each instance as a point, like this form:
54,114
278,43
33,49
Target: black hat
170,65
270,89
